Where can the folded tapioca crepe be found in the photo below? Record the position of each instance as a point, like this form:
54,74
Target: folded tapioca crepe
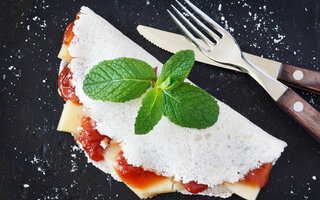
219,158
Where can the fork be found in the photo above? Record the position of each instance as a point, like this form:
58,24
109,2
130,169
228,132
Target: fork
223,48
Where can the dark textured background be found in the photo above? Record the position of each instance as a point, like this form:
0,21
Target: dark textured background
37,162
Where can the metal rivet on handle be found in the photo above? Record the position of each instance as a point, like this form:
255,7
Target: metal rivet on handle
298,106
298,75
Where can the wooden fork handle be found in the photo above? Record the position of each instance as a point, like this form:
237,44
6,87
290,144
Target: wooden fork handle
301,111
301,78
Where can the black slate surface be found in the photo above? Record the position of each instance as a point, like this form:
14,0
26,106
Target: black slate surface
37,162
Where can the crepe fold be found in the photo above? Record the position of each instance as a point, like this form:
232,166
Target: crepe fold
224,152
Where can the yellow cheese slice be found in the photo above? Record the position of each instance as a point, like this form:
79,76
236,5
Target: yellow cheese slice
111,154
243,190
167,185
70,118
64,53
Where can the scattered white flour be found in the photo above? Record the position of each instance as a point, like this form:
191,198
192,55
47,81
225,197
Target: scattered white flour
74,166
35,160
76,148
280,37
41,170
11,67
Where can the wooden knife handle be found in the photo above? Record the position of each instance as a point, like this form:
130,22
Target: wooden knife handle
301,78
301,111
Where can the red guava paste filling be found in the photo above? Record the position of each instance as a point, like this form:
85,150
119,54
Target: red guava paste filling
67,91
68,33
256,178
91,139
136,177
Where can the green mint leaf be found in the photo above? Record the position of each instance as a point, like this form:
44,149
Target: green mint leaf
176,69
150,112
118,80
190,106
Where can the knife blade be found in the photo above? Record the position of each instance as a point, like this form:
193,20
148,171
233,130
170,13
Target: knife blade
288,74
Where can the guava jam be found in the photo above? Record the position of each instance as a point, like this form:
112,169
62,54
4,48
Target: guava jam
91,139
67,91
194,187
136,177
258,177
68,33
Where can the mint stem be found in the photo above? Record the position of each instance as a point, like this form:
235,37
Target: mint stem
155,69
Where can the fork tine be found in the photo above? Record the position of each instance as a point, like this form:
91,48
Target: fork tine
214,24
203,37
203,26
187,33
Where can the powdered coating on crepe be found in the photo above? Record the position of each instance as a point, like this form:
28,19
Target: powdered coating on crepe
224,152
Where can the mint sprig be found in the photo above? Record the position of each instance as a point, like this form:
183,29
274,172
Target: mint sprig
124,79
118,80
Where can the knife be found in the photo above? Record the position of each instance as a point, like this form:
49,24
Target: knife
288,74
